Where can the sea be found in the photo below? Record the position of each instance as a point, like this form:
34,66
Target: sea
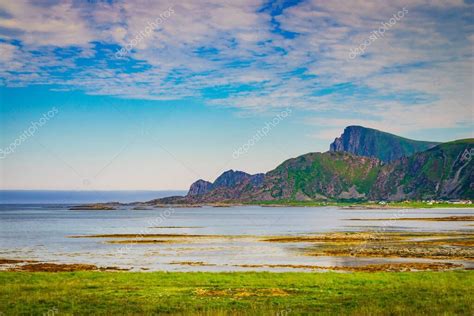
39,225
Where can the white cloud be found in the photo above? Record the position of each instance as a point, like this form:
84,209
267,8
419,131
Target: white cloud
60,24
172,63
7,52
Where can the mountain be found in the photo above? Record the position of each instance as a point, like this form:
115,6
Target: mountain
403,169
231,178
368,142
200,187
442,172
445,171
228,186
319,176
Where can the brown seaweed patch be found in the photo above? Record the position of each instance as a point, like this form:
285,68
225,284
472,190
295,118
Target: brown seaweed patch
367,236
238,293
459,242
57,267
413,250
331,237
14,261
387,267
449,245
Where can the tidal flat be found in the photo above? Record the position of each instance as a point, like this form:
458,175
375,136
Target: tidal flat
427,245
245,238
358,251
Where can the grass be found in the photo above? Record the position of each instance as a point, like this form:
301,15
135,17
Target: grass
407,204
419,204
250,293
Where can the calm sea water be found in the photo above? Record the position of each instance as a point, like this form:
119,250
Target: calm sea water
64,197
42,232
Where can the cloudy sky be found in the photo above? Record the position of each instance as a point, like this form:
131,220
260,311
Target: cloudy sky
155,94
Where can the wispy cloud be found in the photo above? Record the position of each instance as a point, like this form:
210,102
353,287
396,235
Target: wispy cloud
255,56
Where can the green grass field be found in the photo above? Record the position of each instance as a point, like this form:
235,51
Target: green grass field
409,204
113,293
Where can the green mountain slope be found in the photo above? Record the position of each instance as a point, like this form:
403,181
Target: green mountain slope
327,175
443,172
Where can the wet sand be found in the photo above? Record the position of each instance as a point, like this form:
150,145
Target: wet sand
446,246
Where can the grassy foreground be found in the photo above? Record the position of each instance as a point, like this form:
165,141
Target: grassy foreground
110,293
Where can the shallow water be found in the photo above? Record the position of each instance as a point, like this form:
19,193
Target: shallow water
41,232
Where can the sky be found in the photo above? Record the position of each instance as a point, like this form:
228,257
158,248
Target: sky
153,95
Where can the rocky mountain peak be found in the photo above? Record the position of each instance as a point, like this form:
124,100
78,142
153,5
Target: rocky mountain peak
368,142
200,187
230,178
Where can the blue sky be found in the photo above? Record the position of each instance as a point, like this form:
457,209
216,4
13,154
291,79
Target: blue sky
196,80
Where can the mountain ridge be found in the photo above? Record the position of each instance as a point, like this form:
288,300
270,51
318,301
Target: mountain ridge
436,172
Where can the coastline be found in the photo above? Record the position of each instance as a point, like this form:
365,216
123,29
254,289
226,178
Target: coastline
109,206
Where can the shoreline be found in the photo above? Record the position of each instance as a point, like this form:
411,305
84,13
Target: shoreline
343,205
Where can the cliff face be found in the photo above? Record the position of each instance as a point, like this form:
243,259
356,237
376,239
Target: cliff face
362,141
